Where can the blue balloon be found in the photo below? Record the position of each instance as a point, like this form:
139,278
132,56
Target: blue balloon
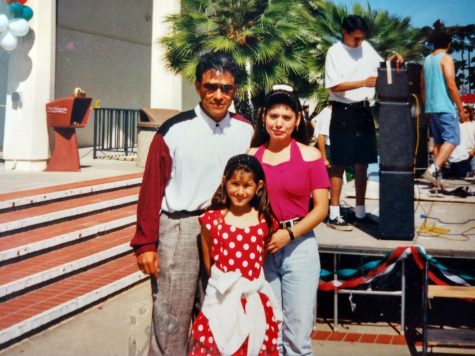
27,13
16,8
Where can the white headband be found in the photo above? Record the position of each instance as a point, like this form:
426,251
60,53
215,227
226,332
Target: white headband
284,87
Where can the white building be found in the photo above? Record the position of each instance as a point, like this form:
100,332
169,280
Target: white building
109,48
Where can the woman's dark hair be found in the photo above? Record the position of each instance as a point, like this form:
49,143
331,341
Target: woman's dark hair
354,22
275,97
249,164
440,38
218,61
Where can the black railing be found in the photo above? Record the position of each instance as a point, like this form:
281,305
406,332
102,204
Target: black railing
115,130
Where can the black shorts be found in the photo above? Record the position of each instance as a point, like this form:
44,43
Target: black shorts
352,135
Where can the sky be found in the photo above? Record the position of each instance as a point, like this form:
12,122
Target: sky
424,12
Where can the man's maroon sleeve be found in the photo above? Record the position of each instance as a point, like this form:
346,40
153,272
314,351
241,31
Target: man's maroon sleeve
155,178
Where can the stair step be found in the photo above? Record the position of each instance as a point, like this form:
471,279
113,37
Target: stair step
27,273
39,195
19,219
32,310
47,237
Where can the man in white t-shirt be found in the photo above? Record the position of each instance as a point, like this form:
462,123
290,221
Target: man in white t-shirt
350,75
322,132
460,161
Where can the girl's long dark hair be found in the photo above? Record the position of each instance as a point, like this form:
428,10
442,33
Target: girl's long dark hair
275,97
248,164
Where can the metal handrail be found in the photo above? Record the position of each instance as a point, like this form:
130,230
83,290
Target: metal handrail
115,130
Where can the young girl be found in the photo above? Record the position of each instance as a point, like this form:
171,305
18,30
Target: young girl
240,315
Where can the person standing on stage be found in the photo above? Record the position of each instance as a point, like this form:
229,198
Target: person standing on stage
184,168
442,101
350,74
322,133
462,159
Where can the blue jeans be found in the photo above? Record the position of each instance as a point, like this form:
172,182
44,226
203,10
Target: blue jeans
294,272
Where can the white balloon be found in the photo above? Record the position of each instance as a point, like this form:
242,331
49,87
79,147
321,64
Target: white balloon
8,41
19,27
3,23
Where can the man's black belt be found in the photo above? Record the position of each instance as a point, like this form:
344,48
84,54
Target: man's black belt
358,105
181,214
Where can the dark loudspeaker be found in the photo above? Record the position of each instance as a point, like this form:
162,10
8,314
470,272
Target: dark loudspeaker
397,89
396,136
404,82
396,205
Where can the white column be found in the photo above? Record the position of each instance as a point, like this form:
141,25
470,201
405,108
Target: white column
166,87
31,74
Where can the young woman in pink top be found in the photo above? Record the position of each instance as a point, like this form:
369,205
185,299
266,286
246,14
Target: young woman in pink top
294,172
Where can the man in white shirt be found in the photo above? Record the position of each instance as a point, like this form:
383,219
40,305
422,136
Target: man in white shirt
322,133
461,159
350,75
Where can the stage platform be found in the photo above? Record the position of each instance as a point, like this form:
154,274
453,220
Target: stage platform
445,229
455,214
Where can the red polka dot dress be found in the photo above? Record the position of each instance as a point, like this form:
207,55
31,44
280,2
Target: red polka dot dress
242,250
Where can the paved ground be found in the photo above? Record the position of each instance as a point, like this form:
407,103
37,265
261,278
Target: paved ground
120,326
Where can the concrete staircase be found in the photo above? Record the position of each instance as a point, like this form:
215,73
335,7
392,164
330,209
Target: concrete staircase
62,249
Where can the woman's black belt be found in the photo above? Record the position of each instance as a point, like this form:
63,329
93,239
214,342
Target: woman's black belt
288,223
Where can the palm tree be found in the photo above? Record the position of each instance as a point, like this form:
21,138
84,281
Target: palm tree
267,39
463,43
386,33
276,41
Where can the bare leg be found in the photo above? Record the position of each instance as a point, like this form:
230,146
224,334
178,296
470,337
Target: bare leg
360,182
336,182
435,151
443,154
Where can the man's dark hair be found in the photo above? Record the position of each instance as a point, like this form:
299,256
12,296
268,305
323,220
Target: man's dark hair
354,22
218,61
440,38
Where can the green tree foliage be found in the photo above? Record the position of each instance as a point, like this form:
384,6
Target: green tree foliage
463,44
265,37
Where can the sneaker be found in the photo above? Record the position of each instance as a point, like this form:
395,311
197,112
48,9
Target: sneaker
368,220
431,177
443,185
339,224
435,179
470,179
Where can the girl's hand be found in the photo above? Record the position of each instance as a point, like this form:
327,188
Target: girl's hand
279,239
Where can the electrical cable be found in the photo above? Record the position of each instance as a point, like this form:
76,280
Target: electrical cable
446,222
426,213
417,132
